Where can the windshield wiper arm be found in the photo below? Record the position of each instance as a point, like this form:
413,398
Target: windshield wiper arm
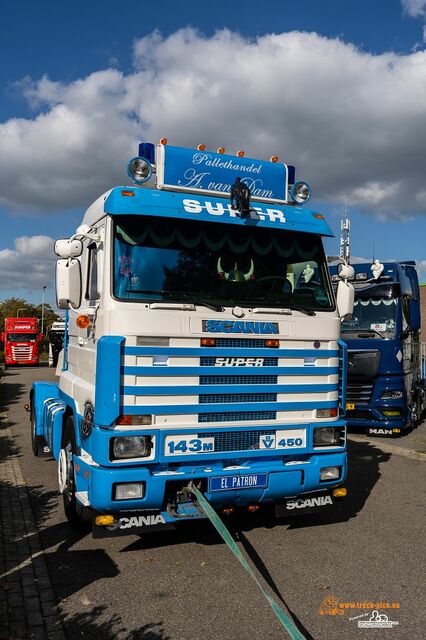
182,296
369,333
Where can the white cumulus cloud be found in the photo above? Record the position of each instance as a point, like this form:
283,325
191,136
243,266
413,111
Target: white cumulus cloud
352,122
29,265
414,8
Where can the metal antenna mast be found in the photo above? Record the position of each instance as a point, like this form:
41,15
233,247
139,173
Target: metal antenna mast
345,243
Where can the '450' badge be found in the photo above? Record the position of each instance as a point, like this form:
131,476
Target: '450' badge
289,439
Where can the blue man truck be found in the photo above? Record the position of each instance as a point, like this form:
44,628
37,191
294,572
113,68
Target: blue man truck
202,348
385,387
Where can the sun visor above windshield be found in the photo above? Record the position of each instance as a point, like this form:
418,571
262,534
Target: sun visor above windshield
163,204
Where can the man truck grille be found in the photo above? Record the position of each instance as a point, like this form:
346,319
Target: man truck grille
359,392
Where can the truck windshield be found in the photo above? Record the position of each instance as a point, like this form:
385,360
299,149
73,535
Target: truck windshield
21,337
374,318
183,260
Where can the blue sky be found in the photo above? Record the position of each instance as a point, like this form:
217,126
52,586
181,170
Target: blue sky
82,83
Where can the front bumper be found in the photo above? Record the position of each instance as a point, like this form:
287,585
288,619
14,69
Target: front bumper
286,478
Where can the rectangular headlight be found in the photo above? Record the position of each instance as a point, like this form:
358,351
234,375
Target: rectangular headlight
326,437
129,490
131,447
329,473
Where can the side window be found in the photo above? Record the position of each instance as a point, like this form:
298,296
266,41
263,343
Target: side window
92,292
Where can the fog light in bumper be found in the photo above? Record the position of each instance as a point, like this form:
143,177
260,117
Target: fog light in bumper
105,520
129,490
329,473
392,413
340,492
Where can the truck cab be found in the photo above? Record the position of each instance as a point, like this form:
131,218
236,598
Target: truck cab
21,339
385,392
202,347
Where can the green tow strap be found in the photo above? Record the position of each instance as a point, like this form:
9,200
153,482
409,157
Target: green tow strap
286,622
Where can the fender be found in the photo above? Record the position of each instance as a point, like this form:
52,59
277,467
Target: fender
49,409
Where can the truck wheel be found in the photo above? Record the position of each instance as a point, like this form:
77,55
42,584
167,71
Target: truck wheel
37,442
77,515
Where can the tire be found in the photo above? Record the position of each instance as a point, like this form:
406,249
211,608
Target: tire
36,441
78,516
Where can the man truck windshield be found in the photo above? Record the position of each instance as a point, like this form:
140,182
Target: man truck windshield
179,260
375,317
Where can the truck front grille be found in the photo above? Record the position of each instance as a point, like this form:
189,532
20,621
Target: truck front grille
234,416
359,392
254,379
21,354
237,440
215,398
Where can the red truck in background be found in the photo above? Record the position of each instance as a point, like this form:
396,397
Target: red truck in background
21,339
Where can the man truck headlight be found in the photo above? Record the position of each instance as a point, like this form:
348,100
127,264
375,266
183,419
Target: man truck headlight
326,437
392,395
131,447
329,473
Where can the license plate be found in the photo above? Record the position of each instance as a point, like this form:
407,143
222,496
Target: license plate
350,406
237,482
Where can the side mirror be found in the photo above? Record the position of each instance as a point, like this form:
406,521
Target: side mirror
2,337
66,248
68,283
345,299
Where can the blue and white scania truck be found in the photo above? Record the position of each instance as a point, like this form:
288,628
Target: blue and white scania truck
203,347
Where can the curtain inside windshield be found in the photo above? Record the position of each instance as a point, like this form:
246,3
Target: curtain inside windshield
376,316
180,260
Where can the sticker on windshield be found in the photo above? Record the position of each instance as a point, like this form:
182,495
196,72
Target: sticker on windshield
378,326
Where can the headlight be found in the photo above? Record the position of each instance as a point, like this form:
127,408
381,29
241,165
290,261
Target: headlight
326,437
329,473
131,447
139,170
392,395
300,192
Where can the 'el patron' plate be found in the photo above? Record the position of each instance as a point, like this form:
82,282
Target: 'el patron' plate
237,482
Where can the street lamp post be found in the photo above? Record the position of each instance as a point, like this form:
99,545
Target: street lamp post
20,309
42,310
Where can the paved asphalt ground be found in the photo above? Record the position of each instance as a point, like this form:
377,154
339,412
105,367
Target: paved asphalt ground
186,585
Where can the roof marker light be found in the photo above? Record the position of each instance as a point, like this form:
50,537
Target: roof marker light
221,150
274,159
127,193
240,154
318,216
201,147
163,141
139,170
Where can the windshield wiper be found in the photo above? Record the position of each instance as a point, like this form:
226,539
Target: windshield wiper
369,333
182,296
